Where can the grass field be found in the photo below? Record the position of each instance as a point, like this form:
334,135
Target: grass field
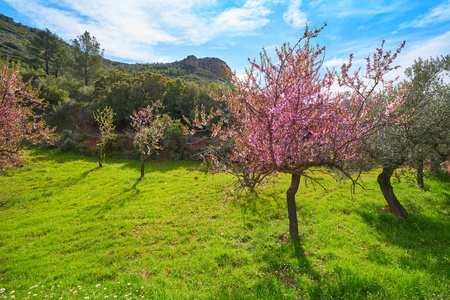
71,230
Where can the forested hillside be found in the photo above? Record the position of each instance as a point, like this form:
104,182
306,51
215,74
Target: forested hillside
76,84
15,39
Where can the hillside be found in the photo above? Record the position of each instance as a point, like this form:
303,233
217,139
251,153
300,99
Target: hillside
14,38
182,70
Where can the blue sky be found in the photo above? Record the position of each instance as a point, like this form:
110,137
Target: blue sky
169,30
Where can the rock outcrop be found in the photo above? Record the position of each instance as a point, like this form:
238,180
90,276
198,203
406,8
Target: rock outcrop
212,64
11,21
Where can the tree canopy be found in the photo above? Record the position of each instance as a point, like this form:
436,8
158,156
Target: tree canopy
285,116
87,57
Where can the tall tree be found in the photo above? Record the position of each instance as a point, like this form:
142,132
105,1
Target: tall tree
19,123
88,57
44,47
285,117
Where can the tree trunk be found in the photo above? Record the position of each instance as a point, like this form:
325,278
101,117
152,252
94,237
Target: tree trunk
47,68
420,174
292,209
384,180
142,168
99,154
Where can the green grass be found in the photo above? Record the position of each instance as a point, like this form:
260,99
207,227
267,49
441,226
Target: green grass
71,230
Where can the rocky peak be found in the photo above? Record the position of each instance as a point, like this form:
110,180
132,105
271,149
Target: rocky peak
11,21
212,64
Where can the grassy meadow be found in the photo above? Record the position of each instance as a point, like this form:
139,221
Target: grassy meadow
71,230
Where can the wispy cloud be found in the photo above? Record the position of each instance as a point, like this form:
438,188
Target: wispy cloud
133,28
425,49
438,14
359,9
294,16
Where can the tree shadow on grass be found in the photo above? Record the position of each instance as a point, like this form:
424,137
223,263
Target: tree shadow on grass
284,260
426,240
83,176
284,264
159,165
255,209
126,195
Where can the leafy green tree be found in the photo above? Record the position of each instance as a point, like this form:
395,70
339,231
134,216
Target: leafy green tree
147,89
429,131
422,130
173,97
105,119
87,58
104,85
126,94
174,137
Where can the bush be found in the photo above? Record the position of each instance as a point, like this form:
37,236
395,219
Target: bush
175,139
114,146
72,141
53,95
85,94
72,115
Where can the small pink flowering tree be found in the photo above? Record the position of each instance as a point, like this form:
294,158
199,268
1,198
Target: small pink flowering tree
19,123
149,129
284,116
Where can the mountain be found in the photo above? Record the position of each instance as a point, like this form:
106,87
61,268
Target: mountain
212,64
14,38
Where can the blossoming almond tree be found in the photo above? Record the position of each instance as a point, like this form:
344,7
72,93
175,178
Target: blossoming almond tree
149,131
19,123
284,116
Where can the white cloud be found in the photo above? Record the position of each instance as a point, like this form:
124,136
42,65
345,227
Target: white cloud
131,29
438,14
425,49
294,16
335,63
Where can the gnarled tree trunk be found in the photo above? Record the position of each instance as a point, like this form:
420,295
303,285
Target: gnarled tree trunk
384,180
292,209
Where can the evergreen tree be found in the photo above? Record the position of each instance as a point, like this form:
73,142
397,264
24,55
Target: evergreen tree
44,47
87,58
